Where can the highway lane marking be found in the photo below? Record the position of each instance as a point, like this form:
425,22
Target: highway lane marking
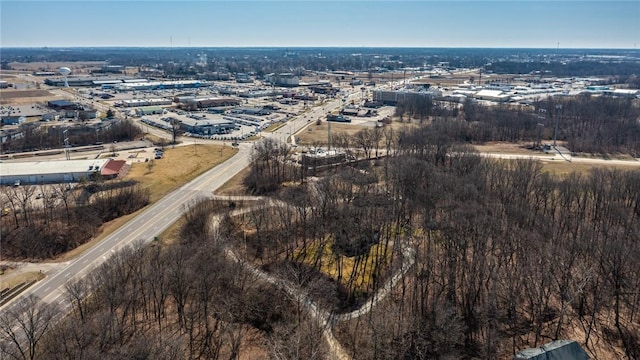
173,201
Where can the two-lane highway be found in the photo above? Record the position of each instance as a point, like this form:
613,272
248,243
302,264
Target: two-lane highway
144,227
155,219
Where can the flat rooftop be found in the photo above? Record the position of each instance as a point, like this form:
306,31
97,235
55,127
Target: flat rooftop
35,168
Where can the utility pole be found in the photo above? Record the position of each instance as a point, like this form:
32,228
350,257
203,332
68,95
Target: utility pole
555,131
329,134
65,133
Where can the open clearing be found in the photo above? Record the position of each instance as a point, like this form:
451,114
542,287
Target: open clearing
15,96
178,166
562,168
506,148
10,280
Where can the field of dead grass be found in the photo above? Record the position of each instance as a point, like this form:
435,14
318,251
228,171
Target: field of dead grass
178,166
334,265
12,281
24,96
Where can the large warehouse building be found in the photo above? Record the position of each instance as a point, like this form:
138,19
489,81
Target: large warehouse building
51,172
392,97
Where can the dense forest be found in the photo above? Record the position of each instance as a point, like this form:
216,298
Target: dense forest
587,124
431,252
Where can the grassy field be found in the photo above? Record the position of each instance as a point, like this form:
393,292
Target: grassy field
318,134
332,264
16,97
562,168
234,185
20,278
178,166
506,148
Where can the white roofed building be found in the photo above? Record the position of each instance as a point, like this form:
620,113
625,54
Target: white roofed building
48,172
492,95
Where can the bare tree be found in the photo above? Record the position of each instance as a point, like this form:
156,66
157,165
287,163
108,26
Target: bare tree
23,326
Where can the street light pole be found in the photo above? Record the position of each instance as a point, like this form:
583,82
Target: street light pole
555,131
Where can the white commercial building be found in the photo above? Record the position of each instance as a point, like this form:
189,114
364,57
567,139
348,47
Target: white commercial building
47,172
491,95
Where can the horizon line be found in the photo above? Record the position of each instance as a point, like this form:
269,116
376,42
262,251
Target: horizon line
307,47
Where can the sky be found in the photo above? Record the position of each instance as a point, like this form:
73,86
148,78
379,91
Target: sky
306,23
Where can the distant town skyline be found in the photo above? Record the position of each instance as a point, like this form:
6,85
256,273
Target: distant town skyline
498,24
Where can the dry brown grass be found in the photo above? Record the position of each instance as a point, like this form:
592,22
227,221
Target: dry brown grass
12,281
24,96
563,168
319,134
506,148
234,185
171,234
178,166
156,140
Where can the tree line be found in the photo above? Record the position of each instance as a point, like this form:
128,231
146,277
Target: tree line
44,221
36,137
589,124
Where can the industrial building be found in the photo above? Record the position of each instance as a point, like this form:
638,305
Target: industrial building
146,102
391,97
149,110
492,95
192,103
12,119
207,126
50,172
283,79
78,81
63,105
156,85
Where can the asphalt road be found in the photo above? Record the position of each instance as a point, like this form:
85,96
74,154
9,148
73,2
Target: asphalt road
155,219
143,227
